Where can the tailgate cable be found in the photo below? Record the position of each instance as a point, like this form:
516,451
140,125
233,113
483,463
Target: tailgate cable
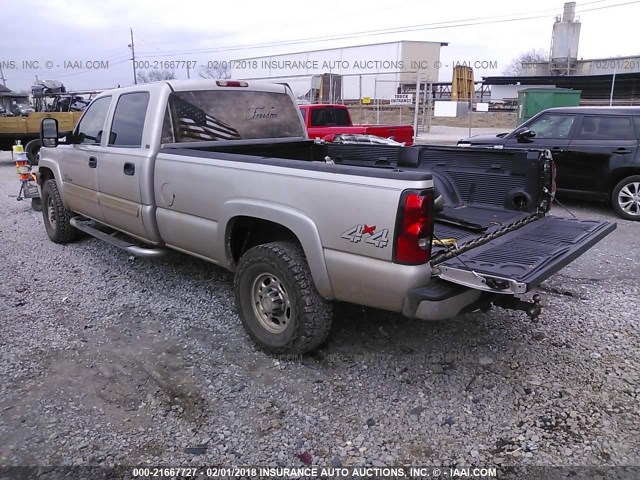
553,197
452,249
491,283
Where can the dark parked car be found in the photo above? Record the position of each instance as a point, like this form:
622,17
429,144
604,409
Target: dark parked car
596,151
21,109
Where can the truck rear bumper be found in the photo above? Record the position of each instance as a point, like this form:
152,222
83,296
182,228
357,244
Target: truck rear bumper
442,300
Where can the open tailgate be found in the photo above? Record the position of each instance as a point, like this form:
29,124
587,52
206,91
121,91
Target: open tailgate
523,258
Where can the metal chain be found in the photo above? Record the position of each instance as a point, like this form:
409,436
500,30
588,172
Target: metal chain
476,242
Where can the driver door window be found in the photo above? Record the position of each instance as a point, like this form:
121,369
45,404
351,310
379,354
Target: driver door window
552,126
92,124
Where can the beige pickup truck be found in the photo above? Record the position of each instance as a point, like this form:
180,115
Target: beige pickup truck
224,171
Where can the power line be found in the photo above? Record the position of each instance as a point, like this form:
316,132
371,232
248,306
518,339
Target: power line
410,28
428,26
389,30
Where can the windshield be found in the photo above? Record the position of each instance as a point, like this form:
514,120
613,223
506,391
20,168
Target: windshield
214,115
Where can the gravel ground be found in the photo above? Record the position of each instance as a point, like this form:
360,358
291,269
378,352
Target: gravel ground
106,359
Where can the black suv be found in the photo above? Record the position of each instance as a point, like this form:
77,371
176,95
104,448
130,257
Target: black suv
596,151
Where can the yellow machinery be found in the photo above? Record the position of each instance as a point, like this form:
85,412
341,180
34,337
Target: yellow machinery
25,127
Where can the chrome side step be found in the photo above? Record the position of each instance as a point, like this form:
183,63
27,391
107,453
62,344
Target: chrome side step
85,226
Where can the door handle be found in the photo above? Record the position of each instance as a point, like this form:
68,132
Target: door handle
621,150
93,162
129,168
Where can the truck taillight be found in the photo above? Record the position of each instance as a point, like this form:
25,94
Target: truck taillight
414,228
231,83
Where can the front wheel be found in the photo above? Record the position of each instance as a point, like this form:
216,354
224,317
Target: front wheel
626,198
277,300
57,219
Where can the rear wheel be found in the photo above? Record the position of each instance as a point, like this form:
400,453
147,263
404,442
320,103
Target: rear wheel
57,219
277,300
626,198
36,204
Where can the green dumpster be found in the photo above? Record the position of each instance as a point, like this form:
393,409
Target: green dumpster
533,100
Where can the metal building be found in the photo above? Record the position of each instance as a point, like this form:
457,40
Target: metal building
348,73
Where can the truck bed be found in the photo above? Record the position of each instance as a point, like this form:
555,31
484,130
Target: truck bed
493,206
488,189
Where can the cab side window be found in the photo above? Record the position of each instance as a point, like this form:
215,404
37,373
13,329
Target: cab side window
596,127
553,126
128,120
92,124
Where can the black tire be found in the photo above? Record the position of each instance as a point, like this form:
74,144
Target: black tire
622,198
32,149
36,204
57,219
306,317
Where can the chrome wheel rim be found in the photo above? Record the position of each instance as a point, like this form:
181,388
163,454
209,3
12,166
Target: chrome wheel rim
51,212
271,303
629,199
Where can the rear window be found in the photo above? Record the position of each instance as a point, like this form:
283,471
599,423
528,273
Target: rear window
329,117
214,115
595,127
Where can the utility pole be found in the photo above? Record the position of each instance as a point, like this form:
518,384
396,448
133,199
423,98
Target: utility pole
4,83
188,76
613,84
133,57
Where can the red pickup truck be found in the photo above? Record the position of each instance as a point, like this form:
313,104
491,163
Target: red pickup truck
324,120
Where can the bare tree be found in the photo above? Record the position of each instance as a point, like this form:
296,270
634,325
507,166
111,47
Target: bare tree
150,76
523,64
221,71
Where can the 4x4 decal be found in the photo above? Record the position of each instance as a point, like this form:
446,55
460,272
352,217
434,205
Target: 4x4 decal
357,233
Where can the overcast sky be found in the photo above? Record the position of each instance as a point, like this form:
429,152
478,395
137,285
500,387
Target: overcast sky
66,30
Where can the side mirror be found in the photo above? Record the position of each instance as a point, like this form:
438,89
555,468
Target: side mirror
524,133
49,132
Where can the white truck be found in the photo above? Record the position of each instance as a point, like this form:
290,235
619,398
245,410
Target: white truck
224,171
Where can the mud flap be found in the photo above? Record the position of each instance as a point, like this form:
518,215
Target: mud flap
518,261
